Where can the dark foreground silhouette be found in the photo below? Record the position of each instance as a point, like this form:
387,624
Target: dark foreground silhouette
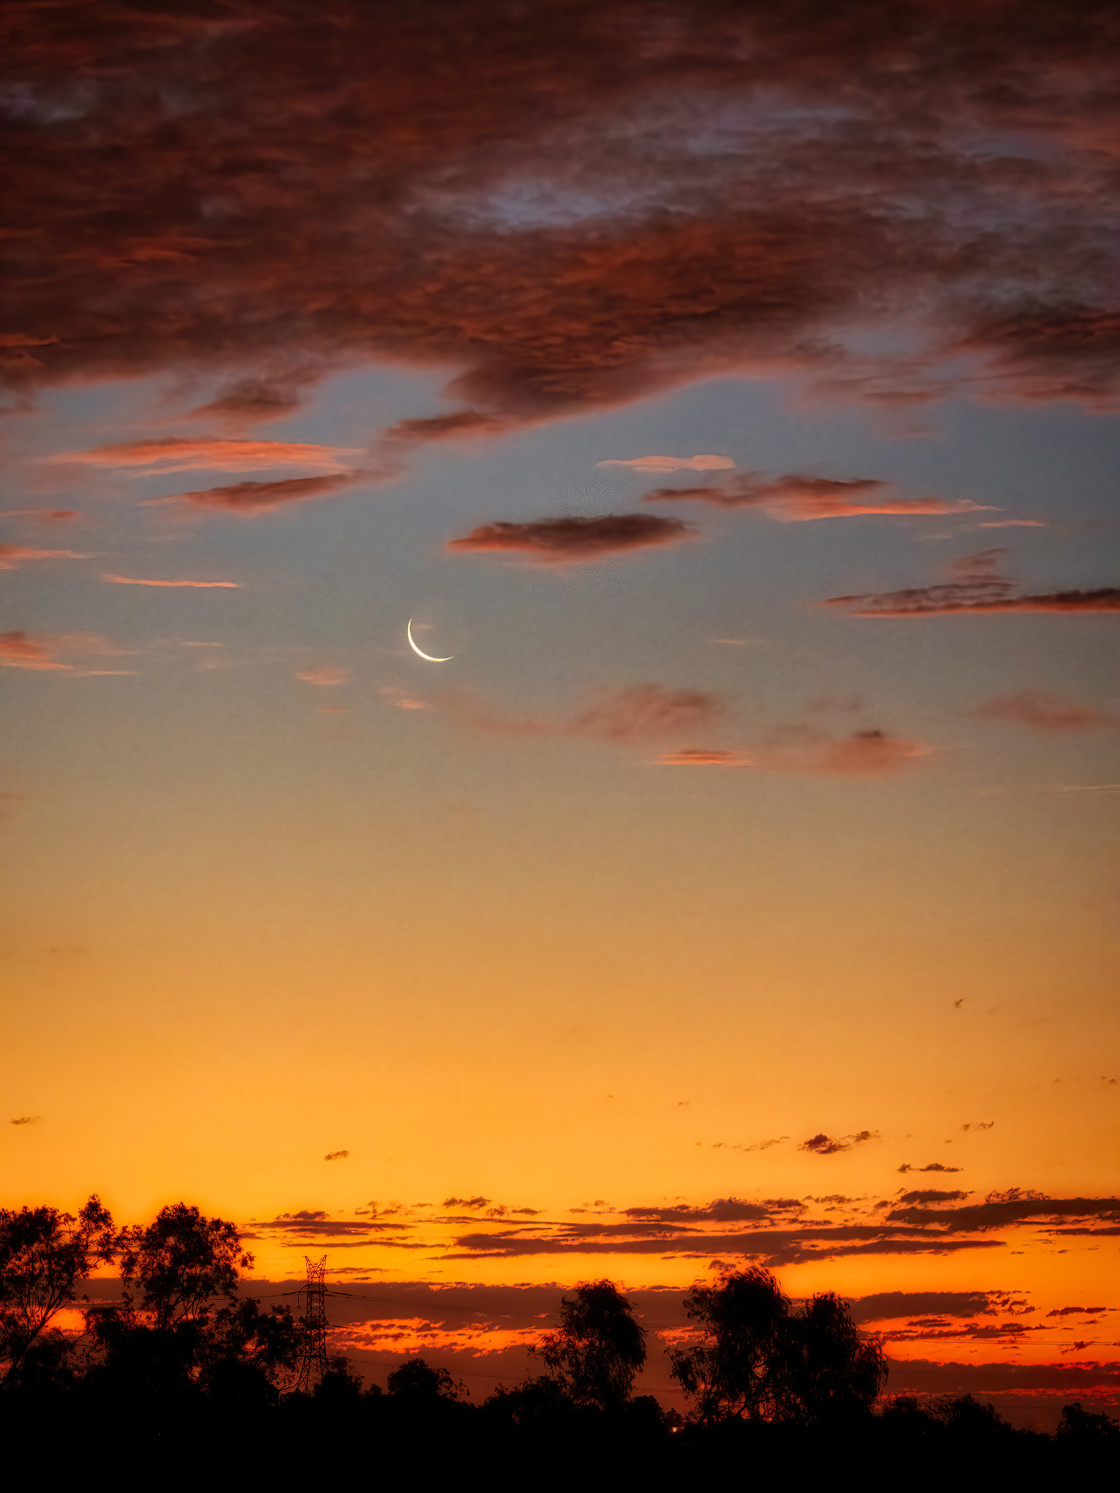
185,1377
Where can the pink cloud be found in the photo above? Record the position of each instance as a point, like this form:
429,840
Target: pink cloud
1044,711
22,650
703,757
325,677
799,499
12,556
189,453
672,463
870,753
130,580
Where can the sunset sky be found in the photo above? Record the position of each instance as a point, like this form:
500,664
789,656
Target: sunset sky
731,390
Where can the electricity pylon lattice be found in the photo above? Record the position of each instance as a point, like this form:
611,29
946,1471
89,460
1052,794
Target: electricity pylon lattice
313,1358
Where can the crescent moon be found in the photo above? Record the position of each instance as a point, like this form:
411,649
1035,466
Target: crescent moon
432,659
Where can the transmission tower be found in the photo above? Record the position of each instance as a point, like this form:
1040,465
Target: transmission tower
313,1358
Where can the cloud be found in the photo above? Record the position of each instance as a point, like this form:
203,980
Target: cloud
827,1145
129,580
672,463
43,515
800,499
12,556
943,601
868,753
313,1223
25,1120
635,713
188,453
932,1195
22,650
980,1125
580,216
18,650
567,541
336,1156
259,497
258,399
722,1210
1045,712
446,427
883,1306
325,677
976,587
932,1166
703,757
998,1212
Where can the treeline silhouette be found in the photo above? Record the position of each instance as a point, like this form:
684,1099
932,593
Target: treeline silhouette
186,1370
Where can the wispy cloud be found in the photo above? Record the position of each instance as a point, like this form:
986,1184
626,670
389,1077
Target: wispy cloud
672,463
827,1145
1044,711
23,650
189,453
634,713
132,580
801,499
12,556
260,497
868,753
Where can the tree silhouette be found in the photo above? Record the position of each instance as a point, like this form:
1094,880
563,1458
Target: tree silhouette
764,1359
181,1326
827,1369
598,1347
44,1254
180,1263
734,1371
416,1383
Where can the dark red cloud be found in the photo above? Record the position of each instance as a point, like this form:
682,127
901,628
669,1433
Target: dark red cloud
827,1145
885,1305
530,194
258,497
567,541
446,427
1046,712
794,499
976,599
999,1212
932,1195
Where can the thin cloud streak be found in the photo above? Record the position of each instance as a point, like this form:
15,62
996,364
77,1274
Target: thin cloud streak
131,580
